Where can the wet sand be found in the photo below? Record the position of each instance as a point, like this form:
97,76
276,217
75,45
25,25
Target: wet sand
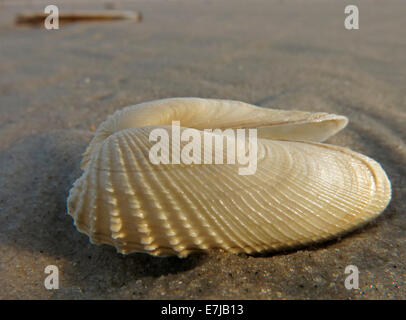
55,86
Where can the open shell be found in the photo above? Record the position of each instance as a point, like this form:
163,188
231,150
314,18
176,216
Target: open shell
303,191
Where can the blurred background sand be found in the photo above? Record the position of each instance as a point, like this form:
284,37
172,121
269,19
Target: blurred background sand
55,86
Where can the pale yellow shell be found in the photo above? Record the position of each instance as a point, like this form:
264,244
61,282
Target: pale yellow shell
303,191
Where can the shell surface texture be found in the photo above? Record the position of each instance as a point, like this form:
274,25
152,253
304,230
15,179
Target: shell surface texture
303,191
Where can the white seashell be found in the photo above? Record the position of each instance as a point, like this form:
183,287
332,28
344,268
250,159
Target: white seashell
302,191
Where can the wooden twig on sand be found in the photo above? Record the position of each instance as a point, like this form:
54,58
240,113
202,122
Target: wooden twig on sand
79,16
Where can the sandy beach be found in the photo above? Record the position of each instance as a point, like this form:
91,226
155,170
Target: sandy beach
56,86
